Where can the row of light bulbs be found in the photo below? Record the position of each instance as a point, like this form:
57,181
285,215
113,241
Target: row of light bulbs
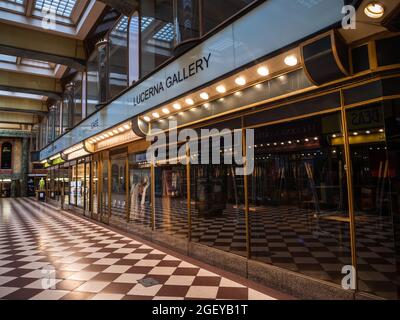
110,133
263,71
356,133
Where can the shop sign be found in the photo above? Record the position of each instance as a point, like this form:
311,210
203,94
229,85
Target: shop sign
233,47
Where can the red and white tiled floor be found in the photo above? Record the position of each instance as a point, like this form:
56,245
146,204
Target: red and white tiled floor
47,255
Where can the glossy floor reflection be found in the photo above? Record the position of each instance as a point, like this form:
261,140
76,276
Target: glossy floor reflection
45,254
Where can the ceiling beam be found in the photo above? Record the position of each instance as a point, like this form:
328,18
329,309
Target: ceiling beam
11,104
19,118
33,44
29,5
125,7
27,83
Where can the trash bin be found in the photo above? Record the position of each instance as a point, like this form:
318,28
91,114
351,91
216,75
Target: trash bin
42,196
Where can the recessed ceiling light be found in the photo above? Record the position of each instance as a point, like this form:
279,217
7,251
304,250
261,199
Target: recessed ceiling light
204,95
127,126
189,101
221,89
156,115
110,133
374,10
121,129
381,130
263,71
106,135
355,133
367,132
240,81
177,106
146,118
115,131
102,137
165,111
291,60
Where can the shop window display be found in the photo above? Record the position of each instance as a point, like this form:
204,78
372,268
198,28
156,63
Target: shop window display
139,190
80,184
298,197
95,188
171,214
64,180
87,189
374,133
72,186
104,190
118,186
217,205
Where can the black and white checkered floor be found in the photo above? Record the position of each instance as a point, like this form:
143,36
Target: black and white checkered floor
291,238
45,254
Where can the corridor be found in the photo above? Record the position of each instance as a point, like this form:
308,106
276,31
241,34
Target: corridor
50,255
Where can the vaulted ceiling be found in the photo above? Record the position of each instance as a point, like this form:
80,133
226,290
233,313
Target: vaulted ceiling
40,41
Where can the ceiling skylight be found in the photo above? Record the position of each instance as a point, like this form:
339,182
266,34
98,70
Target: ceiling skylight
62,7
166,33
7,58
122,25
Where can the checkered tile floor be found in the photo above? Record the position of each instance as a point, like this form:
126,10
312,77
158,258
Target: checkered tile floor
45,254
291,238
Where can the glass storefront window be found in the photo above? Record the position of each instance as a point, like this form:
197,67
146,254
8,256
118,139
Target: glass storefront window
87,190
171,214
64,176
374,133
104,190
298,197
217,205
80,184
139,190
95,188
118,186
72,185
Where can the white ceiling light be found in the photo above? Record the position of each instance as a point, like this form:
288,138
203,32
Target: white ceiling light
374,10
189,101
146,118
156,115
221,89
127,126
291,60
263,71
177,106
204,95
240,81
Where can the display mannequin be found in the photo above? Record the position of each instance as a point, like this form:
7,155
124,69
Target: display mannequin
145,187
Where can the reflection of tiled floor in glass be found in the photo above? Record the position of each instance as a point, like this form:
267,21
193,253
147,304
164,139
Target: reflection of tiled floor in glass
289,237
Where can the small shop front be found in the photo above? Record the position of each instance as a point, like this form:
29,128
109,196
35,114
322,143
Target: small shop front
323,194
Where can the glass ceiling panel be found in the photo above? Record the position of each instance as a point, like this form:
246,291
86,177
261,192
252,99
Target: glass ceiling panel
37,64
122,26
145,22
166,33
16,1
7,58
62,7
